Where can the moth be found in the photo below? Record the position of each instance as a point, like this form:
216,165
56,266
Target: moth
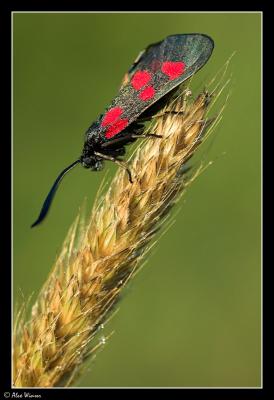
153,77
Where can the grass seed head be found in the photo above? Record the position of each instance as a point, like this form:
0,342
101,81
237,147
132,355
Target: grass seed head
88,277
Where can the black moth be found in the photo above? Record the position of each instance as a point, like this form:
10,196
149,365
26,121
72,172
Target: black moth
155,74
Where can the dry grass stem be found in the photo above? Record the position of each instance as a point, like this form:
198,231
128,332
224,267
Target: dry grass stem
100,256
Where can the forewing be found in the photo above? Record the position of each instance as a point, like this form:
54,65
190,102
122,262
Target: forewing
157,70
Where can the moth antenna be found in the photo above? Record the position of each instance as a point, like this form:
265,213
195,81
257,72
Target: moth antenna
50,196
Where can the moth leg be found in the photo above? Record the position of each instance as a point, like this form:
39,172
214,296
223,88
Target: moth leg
131,70
145,119
125,80
128,137
117,140
156,113
121,164
146,135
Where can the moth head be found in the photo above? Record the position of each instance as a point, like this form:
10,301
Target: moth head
92,162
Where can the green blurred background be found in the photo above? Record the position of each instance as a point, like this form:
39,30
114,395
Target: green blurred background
192,315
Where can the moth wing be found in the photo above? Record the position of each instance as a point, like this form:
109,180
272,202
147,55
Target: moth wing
158,70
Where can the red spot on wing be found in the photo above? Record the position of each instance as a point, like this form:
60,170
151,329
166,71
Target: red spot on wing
147,93
111,116
140,79
173,69
116,127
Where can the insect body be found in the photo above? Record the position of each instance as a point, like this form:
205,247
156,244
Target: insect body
157,72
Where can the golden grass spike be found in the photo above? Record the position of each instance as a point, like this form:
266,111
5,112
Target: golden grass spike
86,282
